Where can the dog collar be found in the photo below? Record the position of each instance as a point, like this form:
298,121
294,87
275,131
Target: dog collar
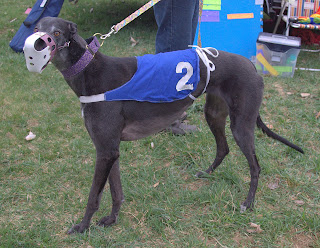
86,58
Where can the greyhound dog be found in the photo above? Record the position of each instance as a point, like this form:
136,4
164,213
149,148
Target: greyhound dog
230,81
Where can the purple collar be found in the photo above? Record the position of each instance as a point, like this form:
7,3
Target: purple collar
86,58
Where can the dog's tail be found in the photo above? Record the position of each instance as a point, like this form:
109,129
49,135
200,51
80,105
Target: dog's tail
275,136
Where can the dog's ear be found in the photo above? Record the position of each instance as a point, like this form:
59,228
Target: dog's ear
72,28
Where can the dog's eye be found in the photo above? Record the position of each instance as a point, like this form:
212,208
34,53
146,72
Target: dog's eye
56,33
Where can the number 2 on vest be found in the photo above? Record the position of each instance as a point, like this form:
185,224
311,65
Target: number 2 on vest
182,84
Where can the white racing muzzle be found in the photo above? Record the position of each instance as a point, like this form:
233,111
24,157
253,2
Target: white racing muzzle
39,48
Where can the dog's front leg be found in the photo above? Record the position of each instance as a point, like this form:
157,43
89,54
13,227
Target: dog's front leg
102,170
116,194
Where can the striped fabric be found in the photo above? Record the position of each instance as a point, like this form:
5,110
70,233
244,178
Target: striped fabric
303,7
306,26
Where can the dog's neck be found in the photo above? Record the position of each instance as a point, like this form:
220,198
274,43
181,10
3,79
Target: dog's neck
78,51
91,49
74,59
103,73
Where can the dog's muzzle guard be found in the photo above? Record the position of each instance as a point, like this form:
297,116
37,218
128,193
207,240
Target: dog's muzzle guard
39,49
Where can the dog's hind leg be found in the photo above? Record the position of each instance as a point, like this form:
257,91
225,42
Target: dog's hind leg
216,112
243,131
116,194
103,166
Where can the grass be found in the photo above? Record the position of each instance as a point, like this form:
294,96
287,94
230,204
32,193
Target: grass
44,183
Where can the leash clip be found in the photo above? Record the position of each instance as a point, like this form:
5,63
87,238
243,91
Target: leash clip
105,36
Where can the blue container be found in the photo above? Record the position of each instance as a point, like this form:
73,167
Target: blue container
231,25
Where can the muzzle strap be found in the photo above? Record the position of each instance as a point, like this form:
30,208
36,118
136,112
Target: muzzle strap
86,58
50,43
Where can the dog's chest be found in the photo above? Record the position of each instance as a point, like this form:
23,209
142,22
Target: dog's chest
164,77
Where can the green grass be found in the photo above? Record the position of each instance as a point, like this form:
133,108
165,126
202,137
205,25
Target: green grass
44,184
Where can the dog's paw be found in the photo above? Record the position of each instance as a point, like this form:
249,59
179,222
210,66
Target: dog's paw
79,228
199,174
107,221
246,207
243,208
203,174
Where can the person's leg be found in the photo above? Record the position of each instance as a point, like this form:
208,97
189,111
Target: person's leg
177,22
195,20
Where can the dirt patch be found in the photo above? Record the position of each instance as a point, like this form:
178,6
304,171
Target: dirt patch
279,89
242,240
303,240
195,185
299,240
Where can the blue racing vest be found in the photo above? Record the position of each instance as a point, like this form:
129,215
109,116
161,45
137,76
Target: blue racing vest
164,77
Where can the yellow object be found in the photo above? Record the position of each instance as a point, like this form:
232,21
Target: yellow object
266,64
240,16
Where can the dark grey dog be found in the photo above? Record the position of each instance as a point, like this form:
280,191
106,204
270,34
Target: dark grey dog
234,89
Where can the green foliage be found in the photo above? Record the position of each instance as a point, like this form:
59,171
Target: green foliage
44,183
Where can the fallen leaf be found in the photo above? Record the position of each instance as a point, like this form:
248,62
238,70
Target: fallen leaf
133,41
254,225
274,184
299,202
256,230
156,184
305,95
318,115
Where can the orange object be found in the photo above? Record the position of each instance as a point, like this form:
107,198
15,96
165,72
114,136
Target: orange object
240,16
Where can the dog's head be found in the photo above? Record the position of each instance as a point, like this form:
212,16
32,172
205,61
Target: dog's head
50,36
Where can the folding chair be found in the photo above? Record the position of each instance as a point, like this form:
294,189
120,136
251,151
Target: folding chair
297,8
